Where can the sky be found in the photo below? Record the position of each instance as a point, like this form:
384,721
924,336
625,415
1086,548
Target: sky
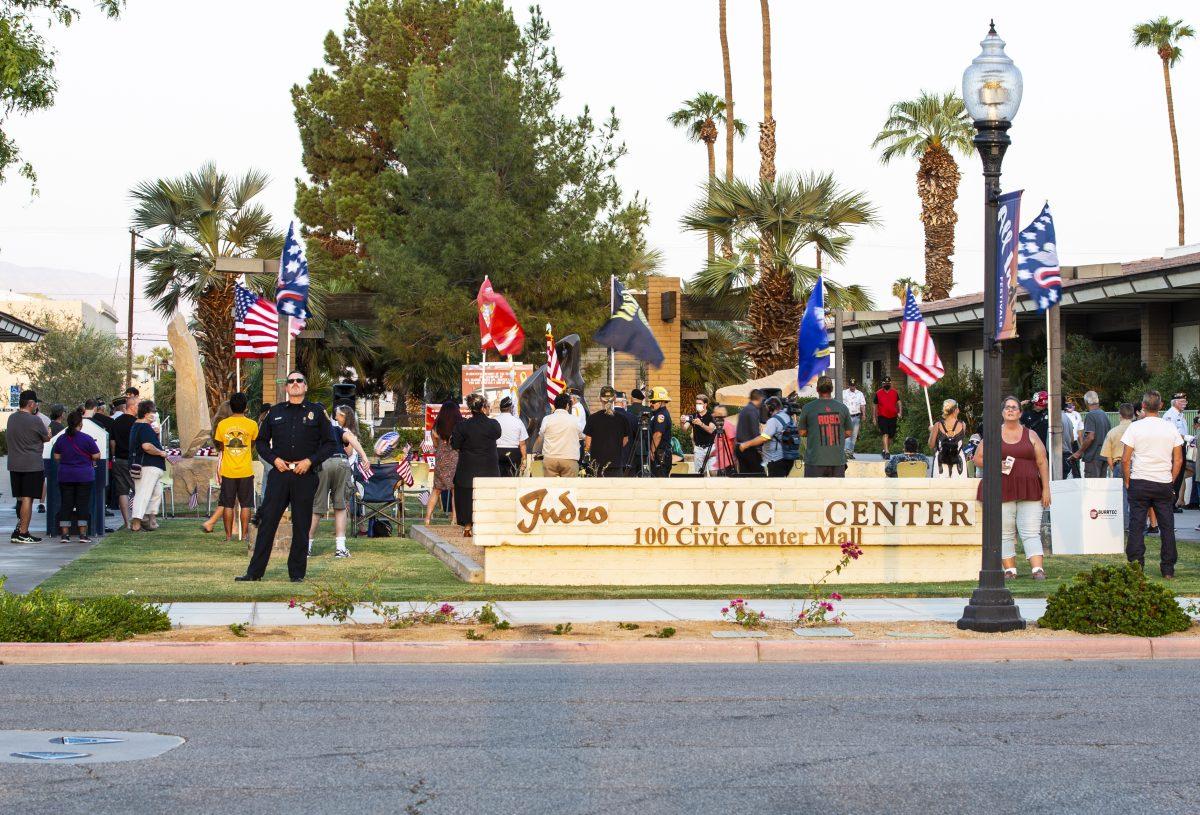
174,84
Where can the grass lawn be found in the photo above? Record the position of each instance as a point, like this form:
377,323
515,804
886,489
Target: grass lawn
180,563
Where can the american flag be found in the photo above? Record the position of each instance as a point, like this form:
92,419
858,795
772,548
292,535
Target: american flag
554,380
255,325
1037,261
291,289
404,468
918,357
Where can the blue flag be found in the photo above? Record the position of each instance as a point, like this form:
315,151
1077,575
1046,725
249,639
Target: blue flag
812,346
628,331
1037,264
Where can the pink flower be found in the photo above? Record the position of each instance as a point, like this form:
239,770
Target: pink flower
835,596
762,614
725,610
446,609
737,602
291,603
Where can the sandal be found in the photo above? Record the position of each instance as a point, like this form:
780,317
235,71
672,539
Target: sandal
466,533
1010,574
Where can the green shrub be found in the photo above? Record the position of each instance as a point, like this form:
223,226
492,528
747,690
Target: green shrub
1115,600
42,616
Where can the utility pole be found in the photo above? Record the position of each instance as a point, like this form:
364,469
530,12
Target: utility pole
133,236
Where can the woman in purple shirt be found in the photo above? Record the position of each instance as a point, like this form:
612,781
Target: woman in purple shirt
75,452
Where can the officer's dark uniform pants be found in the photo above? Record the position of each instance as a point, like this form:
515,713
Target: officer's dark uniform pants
284,489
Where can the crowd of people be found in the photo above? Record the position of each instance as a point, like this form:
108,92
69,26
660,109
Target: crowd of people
77,457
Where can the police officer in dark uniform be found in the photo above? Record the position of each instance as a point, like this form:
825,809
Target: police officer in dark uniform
294,439
660,433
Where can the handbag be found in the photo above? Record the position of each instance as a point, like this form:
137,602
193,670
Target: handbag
135,467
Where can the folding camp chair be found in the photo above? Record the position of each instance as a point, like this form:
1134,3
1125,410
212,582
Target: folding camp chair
912,469
381,497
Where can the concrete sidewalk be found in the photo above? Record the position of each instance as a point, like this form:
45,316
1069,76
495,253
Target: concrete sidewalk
945,609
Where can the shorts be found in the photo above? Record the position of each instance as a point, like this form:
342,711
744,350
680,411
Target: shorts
27,485
334,479
887,427
122,481
825,470
237,490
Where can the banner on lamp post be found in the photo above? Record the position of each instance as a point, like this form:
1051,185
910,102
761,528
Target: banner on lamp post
1008,215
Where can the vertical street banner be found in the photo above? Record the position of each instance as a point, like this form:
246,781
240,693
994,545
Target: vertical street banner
1008,215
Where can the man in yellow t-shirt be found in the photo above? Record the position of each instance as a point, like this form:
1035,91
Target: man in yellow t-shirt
235,436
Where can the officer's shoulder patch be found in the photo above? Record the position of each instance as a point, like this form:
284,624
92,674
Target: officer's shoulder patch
661,418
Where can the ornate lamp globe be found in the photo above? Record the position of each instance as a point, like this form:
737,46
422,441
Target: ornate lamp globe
992,83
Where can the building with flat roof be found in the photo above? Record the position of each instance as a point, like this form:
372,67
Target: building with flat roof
1149,308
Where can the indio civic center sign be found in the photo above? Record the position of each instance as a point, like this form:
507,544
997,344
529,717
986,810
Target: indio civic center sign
724,531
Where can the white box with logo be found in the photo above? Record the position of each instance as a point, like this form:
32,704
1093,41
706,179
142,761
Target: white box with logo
1086,516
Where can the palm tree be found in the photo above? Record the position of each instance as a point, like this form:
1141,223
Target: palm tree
712,363
725,64
189,222
901,287
699,117
766,130
769,223
930,128
1163,35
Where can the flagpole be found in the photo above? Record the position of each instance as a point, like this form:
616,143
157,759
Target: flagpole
612,354
237,367
928,408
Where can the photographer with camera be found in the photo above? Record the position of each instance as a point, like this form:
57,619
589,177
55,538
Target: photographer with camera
779,438
702,427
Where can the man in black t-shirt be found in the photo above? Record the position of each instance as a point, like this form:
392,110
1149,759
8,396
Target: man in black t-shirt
701,426
749,427
605,436
119,439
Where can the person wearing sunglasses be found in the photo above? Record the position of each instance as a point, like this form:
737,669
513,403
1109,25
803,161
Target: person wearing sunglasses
294,439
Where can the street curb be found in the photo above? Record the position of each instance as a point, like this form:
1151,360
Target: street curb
573,651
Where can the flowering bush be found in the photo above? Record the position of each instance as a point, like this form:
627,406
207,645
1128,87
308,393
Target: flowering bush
740,613
432,614
819,608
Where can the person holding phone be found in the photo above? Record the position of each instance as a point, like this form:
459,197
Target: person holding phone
1024,490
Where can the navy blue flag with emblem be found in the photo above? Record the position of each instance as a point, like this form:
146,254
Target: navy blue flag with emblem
812,346
1037,263
628,331
291,289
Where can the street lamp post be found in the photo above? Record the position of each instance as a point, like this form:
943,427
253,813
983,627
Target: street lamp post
992,93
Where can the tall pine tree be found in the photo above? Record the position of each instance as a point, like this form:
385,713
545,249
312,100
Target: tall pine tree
489,179
347,114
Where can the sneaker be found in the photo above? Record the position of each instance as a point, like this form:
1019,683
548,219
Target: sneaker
342,553
26,538
850,457
1152,530
1010,574
64,538
84,539
42,508
1038,574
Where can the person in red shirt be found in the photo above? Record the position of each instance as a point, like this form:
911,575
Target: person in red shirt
888,411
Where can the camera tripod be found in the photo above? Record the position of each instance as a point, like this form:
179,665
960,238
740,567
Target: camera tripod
720,443
640,458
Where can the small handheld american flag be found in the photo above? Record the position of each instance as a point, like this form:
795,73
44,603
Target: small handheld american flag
918,357
404,468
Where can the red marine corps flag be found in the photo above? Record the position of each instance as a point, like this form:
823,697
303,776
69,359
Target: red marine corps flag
498,326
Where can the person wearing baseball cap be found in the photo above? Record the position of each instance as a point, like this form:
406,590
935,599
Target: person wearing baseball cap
1035,416
510,447
660,432
26,436
888,411
605,436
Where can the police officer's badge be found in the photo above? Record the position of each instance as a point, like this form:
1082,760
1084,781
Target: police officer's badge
310,415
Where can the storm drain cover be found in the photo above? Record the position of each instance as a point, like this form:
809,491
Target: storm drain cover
50,755
30,746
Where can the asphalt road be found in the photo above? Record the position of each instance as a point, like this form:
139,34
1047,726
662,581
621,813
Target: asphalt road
1022,738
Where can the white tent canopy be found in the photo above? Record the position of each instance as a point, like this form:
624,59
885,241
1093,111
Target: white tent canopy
785,380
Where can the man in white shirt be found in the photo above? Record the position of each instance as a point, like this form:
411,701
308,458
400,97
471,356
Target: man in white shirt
577,408
1152,459
560,437
513,435
856,403
1175,416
